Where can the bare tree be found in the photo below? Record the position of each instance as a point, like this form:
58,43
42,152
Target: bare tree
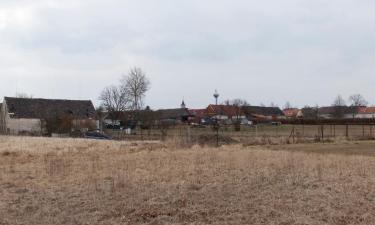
237,104
339,105
357,100
339,101
115,101
272,104
135,84
310,112
287,105
59,122
23,95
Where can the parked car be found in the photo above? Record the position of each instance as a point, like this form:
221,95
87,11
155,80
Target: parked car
208,122
112,127
96,135
196,125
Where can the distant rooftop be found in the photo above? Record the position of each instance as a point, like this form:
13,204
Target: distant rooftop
29,108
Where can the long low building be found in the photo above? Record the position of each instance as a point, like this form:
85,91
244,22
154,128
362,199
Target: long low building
43,116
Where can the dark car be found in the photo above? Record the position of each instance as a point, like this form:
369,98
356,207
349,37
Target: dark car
97,136
113,127
208,122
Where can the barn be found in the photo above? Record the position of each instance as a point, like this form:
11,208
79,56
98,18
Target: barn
38,116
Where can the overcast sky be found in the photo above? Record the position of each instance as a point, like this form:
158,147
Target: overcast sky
301,51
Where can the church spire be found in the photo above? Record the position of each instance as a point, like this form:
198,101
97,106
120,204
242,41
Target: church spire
183,105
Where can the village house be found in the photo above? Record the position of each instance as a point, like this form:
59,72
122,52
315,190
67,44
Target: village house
198,116
308,113
225,113
338,112
121,120
366,113
174,116
146,118
292,113
45,116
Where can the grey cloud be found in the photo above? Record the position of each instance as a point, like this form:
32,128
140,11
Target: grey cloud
297,50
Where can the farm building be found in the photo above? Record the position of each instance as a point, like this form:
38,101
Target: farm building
173,115
308,113
225,112
338,112
292,113
129,119
198,115
44,116
366,113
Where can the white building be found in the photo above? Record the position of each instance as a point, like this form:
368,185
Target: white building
41,116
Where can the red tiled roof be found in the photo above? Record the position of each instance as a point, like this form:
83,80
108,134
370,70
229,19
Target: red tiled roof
200,113
227,110
366,110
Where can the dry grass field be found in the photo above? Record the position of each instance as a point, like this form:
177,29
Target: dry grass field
68,181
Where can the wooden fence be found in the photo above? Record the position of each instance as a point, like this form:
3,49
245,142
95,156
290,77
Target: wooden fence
292,131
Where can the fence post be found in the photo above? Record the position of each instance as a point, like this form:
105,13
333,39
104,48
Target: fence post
189,134
322,129
292,135
371,130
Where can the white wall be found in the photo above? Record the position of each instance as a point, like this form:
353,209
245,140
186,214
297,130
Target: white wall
16,126
365,116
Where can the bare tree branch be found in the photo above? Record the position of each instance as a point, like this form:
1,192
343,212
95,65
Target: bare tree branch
23,95
135,84
288,105
357,100
114,100
339,101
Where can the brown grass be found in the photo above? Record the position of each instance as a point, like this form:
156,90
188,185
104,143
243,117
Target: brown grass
66,181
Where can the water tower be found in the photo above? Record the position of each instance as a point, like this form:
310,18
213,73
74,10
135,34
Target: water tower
216,96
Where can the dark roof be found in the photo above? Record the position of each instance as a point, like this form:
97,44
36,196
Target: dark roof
342,109
172,113
309,113
262,110
42,108
199,113
130,114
